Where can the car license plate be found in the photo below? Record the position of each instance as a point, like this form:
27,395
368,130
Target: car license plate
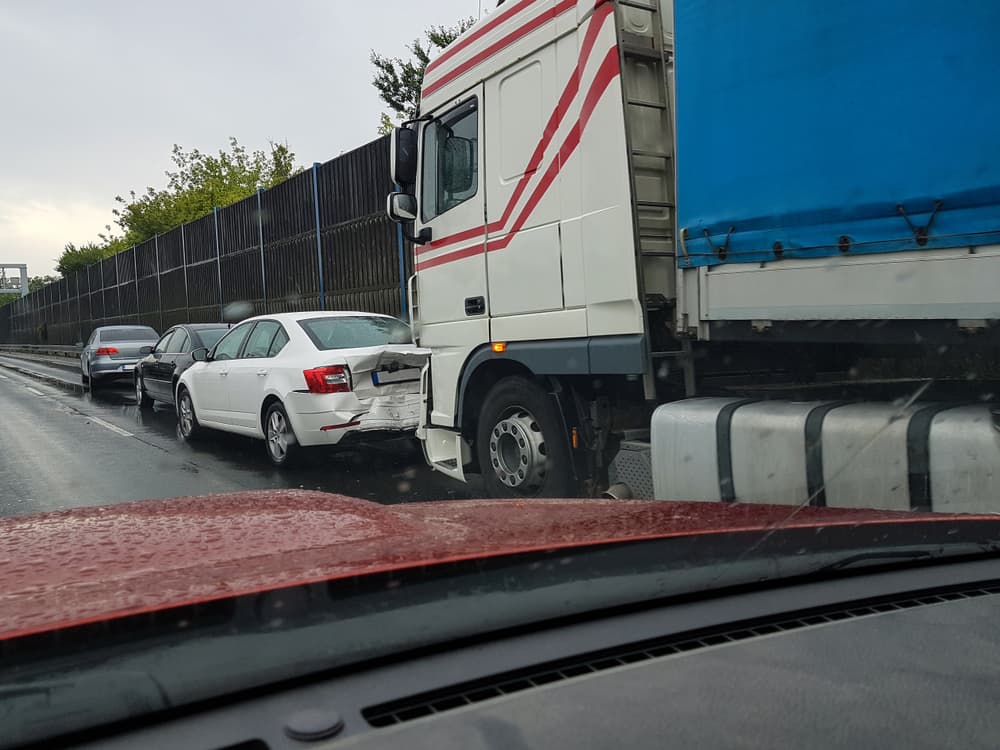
125,368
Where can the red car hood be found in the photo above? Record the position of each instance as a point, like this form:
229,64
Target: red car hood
85,565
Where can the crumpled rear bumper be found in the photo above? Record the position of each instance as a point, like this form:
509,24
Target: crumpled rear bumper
393,414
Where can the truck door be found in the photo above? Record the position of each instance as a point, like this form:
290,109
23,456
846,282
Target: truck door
451,301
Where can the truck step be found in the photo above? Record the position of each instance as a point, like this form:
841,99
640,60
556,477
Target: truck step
648,104
639,5
644,53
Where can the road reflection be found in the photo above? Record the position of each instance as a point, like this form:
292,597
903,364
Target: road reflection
387,472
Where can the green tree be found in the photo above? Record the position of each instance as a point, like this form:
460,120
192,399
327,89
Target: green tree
398,81
386,125
198,183
6,299
75,258
37,282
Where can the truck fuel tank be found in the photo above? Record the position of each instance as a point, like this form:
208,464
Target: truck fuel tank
923,456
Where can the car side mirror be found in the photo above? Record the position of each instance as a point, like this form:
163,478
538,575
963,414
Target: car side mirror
401,207
403,156
144,350
200,354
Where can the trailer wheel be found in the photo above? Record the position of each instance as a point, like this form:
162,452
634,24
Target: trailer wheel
520,442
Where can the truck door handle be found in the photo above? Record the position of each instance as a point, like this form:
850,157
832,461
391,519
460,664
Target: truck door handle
475,305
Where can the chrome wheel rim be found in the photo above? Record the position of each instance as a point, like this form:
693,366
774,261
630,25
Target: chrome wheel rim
517,450
186,415
277,435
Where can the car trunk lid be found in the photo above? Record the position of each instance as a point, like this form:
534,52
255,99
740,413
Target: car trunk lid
390,370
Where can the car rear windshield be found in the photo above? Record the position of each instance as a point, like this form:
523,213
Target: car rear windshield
129,334
210,336
344,332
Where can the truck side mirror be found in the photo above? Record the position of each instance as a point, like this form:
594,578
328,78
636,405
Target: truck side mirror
403,156
401,207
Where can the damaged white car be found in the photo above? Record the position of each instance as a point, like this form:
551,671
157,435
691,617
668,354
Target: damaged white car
305,379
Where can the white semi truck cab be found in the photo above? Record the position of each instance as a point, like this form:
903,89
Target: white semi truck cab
659,250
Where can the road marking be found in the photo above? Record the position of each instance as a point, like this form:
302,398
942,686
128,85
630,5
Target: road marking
32,390
4,377
108,426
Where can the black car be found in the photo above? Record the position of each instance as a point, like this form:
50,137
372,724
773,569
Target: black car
156,374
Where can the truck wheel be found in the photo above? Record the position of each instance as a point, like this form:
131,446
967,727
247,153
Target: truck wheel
521,444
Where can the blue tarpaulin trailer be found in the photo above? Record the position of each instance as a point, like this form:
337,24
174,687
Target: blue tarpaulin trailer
820,129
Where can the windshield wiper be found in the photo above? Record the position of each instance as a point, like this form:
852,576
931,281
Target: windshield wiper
921,554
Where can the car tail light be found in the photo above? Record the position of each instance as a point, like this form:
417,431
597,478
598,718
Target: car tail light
332,379
106,351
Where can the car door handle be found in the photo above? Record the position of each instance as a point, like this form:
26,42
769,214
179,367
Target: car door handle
223,373
261,373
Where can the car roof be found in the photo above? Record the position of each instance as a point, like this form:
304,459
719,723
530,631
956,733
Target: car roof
202,326
291,317
131,325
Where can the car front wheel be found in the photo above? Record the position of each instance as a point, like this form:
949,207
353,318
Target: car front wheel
187,420
282,446
141,397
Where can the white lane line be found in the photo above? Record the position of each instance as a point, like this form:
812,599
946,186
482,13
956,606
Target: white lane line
108,426
4,377
29,389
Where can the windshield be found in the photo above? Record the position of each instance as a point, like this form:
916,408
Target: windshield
210,336
343,332
460,316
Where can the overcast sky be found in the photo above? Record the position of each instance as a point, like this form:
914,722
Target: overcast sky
93,95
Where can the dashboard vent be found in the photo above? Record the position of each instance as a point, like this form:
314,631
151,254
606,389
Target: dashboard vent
466,693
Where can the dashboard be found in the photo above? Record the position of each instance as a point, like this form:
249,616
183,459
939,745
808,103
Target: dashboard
905,658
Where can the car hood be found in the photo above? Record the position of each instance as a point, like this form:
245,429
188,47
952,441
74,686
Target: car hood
85,565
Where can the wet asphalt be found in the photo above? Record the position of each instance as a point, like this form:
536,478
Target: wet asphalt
63,447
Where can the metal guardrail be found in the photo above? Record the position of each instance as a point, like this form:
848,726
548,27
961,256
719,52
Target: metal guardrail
68,352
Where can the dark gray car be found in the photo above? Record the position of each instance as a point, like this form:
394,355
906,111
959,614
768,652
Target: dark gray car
111,353
156,374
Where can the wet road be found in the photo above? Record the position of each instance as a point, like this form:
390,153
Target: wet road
61,448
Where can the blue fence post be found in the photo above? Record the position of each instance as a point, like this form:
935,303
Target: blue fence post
135,270
260,240
184,265
402,267
319,241
218,262
159,286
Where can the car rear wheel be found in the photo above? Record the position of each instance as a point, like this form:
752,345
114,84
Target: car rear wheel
142,398
282,446
520,443
187,420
